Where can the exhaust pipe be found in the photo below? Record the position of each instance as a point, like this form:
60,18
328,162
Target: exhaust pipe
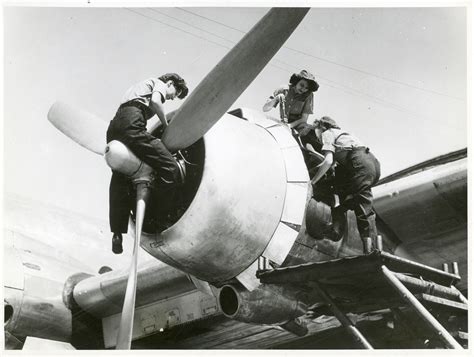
267,305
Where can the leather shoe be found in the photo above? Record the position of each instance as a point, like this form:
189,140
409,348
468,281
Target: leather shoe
117,243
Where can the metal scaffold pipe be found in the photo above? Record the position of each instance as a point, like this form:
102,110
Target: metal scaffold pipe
348,324
420,309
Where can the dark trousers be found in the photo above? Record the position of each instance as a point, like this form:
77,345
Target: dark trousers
354,178
129,127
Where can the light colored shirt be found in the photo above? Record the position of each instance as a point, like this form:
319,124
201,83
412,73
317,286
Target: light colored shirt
295,104
333,141
143,91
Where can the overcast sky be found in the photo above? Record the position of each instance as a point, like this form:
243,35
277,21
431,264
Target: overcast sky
394,77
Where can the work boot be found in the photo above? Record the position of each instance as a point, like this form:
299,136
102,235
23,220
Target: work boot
339,221
367,245
117,243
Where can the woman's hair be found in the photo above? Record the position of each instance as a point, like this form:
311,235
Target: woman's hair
178,82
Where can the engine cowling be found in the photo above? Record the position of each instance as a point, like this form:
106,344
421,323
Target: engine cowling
232,218
236,216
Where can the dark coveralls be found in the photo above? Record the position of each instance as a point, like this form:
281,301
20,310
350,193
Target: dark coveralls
356,172
129,127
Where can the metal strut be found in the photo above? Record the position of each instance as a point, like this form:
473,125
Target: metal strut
420,309
460,296
343,319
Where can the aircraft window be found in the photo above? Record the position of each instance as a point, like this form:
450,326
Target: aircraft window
104,269
32,266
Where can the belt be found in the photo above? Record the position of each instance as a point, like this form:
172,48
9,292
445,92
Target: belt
354,148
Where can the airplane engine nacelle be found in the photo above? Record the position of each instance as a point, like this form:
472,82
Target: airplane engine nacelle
250,201
33,293
268,304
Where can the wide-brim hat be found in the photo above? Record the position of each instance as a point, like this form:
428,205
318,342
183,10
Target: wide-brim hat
328,122
304,74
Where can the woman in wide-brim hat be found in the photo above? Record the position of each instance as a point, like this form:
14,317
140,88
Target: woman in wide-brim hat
296,104
295,99
296,77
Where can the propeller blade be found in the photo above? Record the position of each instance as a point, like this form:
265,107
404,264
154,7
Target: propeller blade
232,75
83,127
124,337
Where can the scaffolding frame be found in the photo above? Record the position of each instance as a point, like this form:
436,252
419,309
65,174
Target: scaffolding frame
412,282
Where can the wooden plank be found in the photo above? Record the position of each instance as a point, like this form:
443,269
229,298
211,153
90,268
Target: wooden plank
349,268
215,332
246,341
221,338
345,269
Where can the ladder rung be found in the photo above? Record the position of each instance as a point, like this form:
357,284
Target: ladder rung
420,286
441,301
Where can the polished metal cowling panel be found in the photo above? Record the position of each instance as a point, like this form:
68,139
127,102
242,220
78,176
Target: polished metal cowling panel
236,210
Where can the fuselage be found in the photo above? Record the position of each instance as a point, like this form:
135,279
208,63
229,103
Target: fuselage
246,202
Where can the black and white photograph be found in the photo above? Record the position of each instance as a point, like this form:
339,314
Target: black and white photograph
236,176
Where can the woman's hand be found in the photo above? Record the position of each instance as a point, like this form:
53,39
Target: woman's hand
304,128
272,102
280,98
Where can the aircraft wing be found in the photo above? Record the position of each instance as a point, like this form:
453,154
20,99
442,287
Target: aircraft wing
424,210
